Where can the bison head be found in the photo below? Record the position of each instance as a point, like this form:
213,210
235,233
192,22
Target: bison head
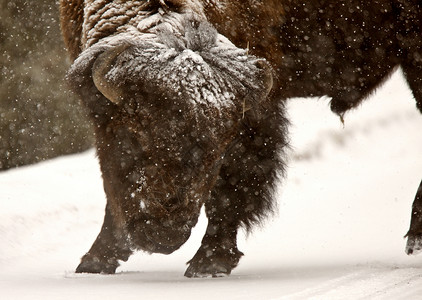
167,94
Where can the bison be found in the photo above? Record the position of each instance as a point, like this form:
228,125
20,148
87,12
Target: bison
187,101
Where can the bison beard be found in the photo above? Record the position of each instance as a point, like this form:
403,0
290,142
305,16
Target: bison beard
183,117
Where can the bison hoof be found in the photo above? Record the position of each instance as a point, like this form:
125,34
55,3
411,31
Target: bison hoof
212,264
414,244
92,264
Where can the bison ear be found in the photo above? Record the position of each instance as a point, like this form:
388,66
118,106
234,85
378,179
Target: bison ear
101,67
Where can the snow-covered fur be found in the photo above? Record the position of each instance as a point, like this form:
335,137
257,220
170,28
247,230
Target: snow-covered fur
184,115
182,118
184,56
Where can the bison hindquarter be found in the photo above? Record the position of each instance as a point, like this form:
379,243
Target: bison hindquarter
182,119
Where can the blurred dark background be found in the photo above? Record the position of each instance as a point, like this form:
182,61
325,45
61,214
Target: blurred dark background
39,117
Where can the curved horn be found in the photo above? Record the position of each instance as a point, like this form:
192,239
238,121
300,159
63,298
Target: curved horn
265,81
101,67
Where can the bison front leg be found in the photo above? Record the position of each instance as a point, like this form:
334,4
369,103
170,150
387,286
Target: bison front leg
109,247
243,194
414,236
218,253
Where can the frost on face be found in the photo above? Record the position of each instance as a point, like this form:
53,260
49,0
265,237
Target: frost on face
180,52
138,188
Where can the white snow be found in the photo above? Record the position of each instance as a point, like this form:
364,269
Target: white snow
343,212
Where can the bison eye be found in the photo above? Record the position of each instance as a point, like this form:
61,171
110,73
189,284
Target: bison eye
171,5
170,203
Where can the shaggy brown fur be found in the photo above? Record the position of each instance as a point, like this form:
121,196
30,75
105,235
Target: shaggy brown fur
165,150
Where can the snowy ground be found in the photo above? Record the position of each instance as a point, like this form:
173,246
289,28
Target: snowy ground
344,210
